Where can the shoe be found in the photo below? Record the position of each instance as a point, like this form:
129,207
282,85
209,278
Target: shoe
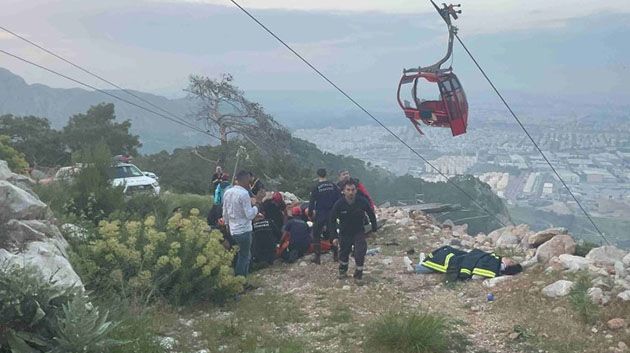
248,287
343,271
317,254
358,275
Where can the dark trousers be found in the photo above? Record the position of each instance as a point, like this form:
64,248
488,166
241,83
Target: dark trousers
294,252
263,247
360,248
319,228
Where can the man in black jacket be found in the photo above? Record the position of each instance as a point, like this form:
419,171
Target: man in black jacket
264,240
323,198
347,217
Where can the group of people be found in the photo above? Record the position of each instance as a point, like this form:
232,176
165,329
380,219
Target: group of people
264,228
334,219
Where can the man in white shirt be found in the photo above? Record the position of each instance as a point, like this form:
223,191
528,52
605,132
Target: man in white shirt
238,213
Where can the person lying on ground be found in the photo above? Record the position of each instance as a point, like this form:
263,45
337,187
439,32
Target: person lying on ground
462,265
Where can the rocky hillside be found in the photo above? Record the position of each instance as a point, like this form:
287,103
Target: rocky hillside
304,308
562,302
28,235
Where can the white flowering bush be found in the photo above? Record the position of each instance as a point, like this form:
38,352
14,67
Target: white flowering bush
183,263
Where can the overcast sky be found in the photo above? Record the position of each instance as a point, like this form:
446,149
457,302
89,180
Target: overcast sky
553,47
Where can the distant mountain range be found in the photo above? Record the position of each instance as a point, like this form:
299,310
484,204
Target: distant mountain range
294,109
58,105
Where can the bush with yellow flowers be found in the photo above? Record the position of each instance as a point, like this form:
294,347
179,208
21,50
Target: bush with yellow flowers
183,263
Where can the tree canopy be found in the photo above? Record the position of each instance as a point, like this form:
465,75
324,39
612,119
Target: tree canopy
98,125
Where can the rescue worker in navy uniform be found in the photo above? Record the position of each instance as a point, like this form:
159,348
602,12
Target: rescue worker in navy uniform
462,265
264,240
323,198
299,235
349,211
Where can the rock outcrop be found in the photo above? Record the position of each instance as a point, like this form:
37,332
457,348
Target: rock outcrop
28,236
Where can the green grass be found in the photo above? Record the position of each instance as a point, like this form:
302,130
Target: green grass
414,333
138,327
257,323
587,311
340,315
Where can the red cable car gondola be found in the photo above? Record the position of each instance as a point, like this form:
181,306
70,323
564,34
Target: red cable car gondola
452,108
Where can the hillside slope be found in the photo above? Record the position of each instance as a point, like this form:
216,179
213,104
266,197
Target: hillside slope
304,308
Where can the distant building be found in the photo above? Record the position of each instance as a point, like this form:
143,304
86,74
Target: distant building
547,189
593,175
568,176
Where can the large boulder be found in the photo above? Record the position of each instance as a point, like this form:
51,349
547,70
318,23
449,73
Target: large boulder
27,235
606,255
5,172
574,263
507,240
16,203
510,236
16,233
558,245
624,296
626,260
543,236
560,288
51,262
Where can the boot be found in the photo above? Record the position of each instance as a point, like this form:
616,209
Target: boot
317,253
343,271
358,274
335,251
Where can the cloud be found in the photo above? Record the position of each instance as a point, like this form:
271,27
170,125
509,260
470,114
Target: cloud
479,16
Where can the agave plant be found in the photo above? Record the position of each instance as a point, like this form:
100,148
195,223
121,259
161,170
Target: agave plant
38,316
82,328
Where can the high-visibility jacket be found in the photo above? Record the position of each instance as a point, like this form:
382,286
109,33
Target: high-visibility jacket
440,259
480,263
463,265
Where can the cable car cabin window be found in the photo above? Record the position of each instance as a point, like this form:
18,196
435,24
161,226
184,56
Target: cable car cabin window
427,91
447,87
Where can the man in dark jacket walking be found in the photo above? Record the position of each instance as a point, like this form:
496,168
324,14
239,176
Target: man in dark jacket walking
347,217
323,198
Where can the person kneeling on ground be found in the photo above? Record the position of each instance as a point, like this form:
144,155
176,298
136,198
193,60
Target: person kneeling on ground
462,265
264,241
347,217
296,238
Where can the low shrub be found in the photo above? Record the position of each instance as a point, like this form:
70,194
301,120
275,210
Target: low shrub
587,311
37,316
187,202
183,263
15,159
583,247
413,333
